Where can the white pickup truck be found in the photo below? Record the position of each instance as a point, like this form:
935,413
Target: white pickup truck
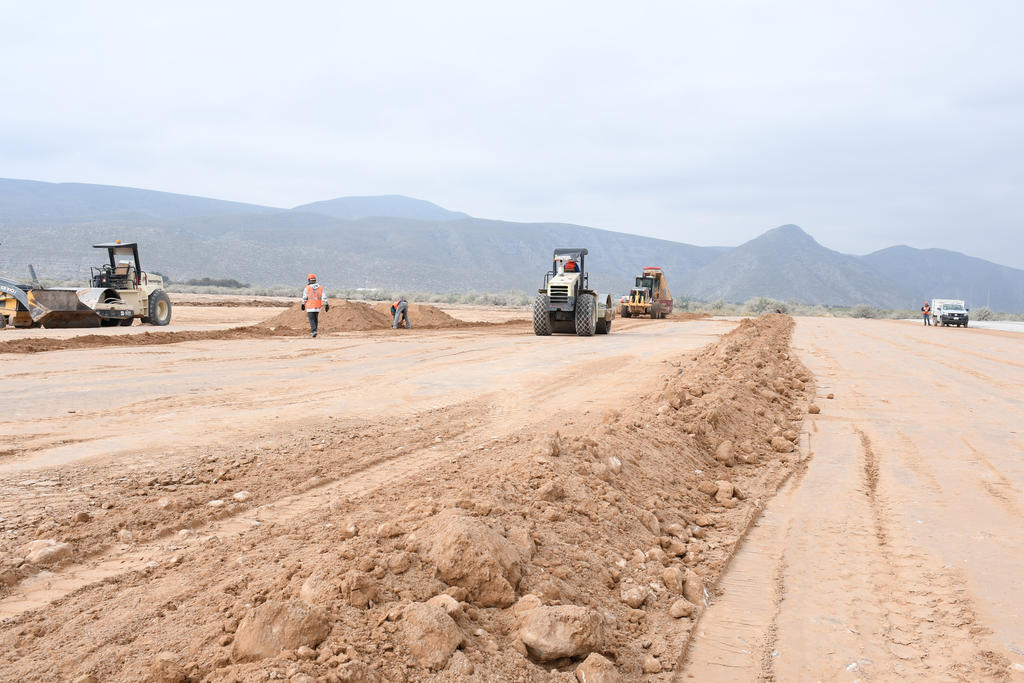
947,312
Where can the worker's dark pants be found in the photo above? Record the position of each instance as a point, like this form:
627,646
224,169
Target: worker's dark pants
313,320
401,314
927,319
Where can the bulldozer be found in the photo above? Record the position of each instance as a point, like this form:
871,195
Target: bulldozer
119,291
650,296
566,303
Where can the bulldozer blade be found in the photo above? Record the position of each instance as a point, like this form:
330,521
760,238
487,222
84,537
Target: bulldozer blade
60,308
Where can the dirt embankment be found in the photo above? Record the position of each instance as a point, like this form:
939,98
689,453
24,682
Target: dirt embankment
344,316
515,561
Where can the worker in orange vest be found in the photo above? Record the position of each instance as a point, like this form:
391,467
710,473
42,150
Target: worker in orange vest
400,309
314,298
927,311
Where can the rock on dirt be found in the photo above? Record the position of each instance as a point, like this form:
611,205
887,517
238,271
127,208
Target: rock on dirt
813,409
724,492
551,633
693,587
275,626
449,604
430,634
167,669
470,554
681,608
673,578
724,454
46,552
597,669
650,664
633,594
781,444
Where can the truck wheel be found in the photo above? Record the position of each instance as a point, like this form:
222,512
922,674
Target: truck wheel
603,326
127,322
586,315
541,316
3,321
159,308
626,313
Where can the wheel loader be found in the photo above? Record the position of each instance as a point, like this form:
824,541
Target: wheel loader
650,296
119,291
566,303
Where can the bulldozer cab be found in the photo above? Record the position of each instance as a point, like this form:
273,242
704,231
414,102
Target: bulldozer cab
122,271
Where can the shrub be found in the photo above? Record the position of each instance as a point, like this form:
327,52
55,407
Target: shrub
983,313
864,311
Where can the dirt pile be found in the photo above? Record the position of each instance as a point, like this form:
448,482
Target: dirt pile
92,341
356,316
522,559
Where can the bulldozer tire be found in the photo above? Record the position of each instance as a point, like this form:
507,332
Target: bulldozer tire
127,322
159,308
586,315
603,326
626,313
3,321
541,316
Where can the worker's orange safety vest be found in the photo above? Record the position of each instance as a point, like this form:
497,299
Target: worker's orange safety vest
314,297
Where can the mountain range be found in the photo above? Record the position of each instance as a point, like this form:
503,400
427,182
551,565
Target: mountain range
399,243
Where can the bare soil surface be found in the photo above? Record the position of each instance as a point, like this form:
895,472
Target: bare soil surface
455,504
898,553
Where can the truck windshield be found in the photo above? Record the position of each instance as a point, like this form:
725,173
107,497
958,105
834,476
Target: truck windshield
952,307
647,282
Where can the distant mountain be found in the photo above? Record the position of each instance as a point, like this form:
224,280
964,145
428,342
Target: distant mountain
788,264
937,273
35,202
391,205
399,243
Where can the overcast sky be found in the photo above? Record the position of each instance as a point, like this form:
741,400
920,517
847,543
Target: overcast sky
866,123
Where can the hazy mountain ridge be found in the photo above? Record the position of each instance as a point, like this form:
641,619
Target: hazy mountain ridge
53,226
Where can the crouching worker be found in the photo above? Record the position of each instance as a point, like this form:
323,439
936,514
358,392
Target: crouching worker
314,298
400,309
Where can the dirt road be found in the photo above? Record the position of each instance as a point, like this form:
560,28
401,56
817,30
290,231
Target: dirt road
899,552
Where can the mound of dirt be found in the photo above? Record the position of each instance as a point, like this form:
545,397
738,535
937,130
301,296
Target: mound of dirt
540,555
91,341
356,316
344,316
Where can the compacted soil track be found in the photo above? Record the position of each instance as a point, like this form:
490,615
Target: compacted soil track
899,552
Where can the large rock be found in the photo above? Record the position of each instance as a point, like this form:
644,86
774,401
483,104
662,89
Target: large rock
672,577
470,554
275,626
165,668
430,634
724,454
597,669
561,631
46,552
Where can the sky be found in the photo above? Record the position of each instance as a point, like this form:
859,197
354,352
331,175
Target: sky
866,123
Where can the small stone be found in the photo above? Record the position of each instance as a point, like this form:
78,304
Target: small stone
449,604
430,634
389,530
675,529
709,488
675,548
693,587
650,664
597,669
724,454
560,631
813,409
781,444
614,465
681,608
399,562
165,668
242,496
275,626
216,503
525,604
82,516
724,493
551,492
633,595
124,535
790,434
830,396
168,504
657,555
184,533
348,530
305,652
648,519
673,578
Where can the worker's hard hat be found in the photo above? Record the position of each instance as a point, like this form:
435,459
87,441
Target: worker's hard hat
311,276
